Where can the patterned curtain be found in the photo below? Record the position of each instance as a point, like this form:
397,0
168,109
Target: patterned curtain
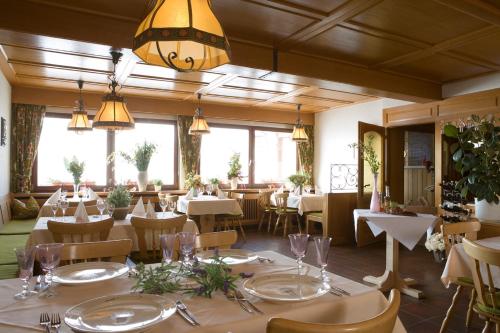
190,146
306,152
26,123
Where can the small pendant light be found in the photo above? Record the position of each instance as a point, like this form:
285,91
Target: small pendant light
299,134
113,114
79,120
199,126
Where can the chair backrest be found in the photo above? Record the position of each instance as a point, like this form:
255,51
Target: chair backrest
485,257
85,203
70,211
113,250
152,229
63,232
382,323
264,199
239,197
5,211
172,198
453,233
281,202
221,240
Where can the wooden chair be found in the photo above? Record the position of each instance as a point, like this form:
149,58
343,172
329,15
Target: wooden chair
63,232
91,210
230,220
488,296
264,201
282,211
383,323
152,229
113,250
319,217
221,240
454,233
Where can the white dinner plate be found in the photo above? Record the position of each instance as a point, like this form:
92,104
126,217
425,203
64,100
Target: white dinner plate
229,256
119,313
88,272
285,287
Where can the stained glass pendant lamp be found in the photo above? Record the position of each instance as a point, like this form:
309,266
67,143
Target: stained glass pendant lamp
182,34
200,125
113,114
299,134
79,120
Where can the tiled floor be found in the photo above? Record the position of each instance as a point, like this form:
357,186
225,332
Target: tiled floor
354,263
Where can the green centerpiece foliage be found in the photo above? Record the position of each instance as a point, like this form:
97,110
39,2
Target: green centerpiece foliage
477,157
157,280
75,167
300,179
193,181
120,197
214,181
141,156
368,153
234,167
157,182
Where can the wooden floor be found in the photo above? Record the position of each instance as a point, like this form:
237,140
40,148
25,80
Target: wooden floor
354,263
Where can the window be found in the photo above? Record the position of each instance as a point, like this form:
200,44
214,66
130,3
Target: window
57,143
162,163
275,156
217,149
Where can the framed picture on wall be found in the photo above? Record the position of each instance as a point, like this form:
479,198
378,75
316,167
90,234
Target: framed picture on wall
3,132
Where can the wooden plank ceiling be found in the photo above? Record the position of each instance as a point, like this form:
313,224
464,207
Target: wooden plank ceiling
433,41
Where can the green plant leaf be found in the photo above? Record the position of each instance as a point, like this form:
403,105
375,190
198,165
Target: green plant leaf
458,155
450,131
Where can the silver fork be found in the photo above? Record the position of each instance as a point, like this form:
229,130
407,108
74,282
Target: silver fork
45,321
55,322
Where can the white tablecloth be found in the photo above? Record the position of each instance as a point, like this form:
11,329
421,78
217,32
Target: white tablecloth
45,210
215,315
122,229
208,205
459,264
304,203
406,229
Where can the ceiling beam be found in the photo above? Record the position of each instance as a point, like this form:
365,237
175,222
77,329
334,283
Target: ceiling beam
292,8
282,97
439,47
6,67
479,9
337,16
217,83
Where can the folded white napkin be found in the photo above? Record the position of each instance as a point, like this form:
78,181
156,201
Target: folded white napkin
281,189
150,211
92,194
189,195
296,191
221,194
81,214
54,197
139,208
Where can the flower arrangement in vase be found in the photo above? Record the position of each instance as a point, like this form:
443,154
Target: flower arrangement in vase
193,182
75,168
299,180
234,173
435,244
141,158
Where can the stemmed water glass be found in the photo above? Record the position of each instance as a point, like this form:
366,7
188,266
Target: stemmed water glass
167,242
171,206
163,205
25,259
322,245
111,208
64,204
55,207
209,189
101,206
298,244
186,240
64,194
49,256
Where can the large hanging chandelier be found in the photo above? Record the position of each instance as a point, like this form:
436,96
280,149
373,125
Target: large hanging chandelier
299,134
199,125
79,120
182,34
113,114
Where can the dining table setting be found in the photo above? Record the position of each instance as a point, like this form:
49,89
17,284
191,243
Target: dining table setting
304,203
216,290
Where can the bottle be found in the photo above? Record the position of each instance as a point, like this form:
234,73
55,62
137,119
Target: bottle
387,200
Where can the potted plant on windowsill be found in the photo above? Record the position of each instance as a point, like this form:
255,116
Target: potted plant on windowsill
157,184
141,158
75,168
477,158
234,173
299,180
120,198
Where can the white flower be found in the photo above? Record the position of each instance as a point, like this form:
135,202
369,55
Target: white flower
435,242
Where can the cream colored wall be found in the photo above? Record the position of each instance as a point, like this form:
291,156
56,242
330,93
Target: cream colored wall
5,106
472,85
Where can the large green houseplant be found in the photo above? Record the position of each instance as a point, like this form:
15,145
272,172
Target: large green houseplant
140,158
477,158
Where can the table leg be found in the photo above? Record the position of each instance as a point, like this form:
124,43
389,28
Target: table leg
207,223
391,278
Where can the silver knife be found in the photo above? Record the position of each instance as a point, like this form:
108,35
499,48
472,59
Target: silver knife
336,293
340,290
183,310
240,295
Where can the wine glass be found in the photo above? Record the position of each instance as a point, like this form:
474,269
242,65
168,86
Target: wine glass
172,205
49,256
298,244
167,246
64,204
163,205
25,260
322,245
209,189
101,205
55,207
64,194
111,208
186,240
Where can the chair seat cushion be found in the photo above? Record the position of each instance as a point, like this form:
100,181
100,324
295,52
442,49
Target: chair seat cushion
490,309
8,271
18,227
24,211
316,214
7,245
466,281
288,211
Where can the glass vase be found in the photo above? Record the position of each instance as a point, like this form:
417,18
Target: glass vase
76,189
375,202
